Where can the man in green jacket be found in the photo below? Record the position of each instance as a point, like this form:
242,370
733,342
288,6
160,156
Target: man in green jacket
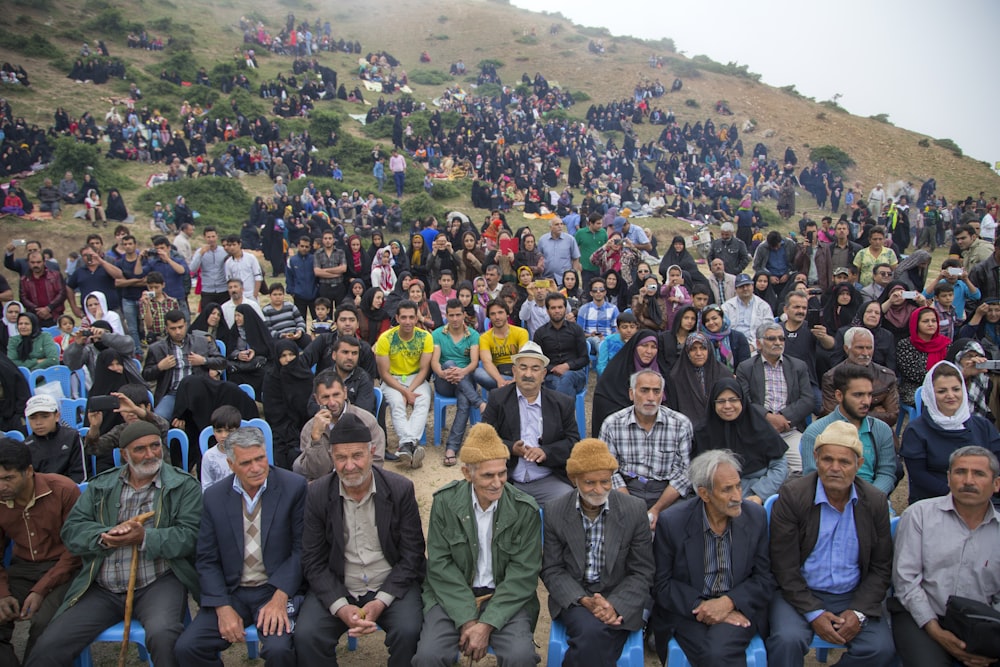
484,553
101,529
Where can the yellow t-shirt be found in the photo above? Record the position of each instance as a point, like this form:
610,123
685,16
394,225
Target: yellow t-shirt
501,349
404,355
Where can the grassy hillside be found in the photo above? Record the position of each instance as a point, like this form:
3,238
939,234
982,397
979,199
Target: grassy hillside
45,37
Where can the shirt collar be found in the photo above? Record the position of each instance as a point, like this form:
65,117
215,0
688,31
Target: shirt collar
520,397
948,505
707,526
604,508
42,489
250,502
475,502
368,495
157,482
821,498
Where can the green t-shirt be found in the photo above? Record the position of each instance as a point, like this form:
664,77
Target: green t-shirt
588,243
452,351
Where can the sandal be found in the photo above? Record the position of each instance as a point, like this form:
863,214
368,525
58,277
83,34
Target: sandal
450,459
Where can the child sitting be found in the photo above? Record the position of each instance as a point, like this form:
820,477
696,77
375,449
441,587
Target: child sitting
322,322
283,319
627,327
214,466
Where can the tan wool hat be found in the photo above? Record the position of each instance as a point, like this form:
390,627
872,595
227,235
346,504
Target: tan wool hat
840,433
588,455
482,444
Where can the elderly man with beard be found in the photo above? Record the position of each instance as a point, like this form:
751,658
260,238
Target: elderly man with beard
713,572
101,529
597,563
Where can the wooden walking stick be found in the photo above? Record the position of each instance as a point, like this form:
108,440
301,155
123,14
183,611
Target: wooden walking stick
130,593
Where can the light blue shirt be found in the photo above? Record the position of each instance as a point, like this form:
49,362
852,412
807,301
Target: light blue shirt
531,433
559,254
833,566
250,503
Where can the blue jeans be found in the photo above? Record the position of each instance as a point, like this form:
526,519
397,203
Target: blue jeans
130,310
485,380
467,395
400,178
165,406
570,383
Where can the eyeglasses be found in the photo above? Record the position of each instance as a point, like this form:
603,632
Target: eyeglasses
598,290
727,401
774,339
642,271
884,273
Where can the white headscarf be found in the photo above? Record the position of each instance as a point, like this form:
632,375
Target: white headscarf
957,421
11,326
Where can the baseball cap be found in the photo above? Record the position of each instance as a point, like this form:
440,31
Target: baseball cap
841,271
743,279
40,403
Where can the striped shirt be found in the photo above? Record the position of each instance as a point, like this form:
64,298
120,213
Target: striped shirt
718,560
593,531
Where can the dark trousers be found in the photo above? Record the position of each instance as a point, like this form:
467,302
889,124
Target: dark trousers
159,607
305,304
200,644
21,577
648,491
317,630
213,297
591,642
914,645
335,293
791,635
707,645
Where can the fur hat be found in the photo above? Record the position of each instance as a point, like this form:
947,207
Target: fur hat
482,444
588,455
840,433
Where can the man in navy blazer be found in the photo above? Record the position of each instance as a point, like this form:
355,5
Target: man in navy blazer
538,425
249,557
712,611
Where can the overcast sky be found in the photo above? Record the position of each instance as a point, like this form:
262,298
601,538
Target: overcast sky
929,65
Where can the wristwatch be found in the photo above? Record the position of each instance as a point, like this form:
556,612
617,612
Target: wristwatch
862,619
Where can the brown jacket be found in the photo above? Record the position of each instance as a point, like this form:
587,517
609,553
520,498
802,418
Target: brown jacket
795,521
885,394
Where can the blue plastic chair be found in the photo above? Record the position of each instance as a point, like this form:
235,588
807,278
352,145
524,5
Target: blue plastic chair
768,504
83,486
114,634
441,404
249,391
53,330
60,374
206,433
73,411
79,383
581,412
756,654
911,414
632,653
180,437
14,435
918,401
27,378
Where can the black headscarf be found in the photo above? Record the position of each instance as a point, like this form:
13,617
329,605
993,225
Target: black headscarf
616,296
611,393
115,206
286,393
107,381
16,394
201,322
688,390
258,337
767,294
375,316
749,436
28,342
683,259
670,348
398,294
835,315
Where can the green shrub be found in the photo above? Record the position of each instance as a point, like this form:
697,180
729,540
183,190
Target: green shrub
203,96
489,90
949,145
770,216
791,90
527,39
380,129
80,158
731,68
183,63
219,201
881,118
924,143
832,104
838,161
490,61
441,38
691,103
421,207
353,154
162,24
821,116
448,190
249,105
580,96
31,46
111,21
323,122
430,77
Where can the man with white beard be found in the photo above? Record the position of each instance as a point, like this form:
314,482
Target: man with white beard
597,560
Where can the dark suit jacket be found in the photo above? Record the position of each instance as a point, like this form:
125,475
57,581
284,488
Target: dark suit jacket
679,550
800,403
161,348
221,536
628,557
795,529
400,535
559,429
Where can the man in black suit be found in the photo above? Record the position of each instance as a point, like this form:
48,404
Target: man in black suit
249,557
713,618
537,424
362,554
597,561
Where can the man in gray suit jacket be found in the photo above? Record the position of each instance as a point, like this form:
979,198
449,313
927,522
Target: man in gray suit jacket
597,560
712,619
788,415
177,356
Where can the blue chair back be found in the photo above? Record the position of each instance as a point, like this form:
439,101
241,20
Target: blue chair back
180,437
249,391
60,374
53,330
27,378
14,435
73,411
768,504
378,400
83,486
206,433
918,401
